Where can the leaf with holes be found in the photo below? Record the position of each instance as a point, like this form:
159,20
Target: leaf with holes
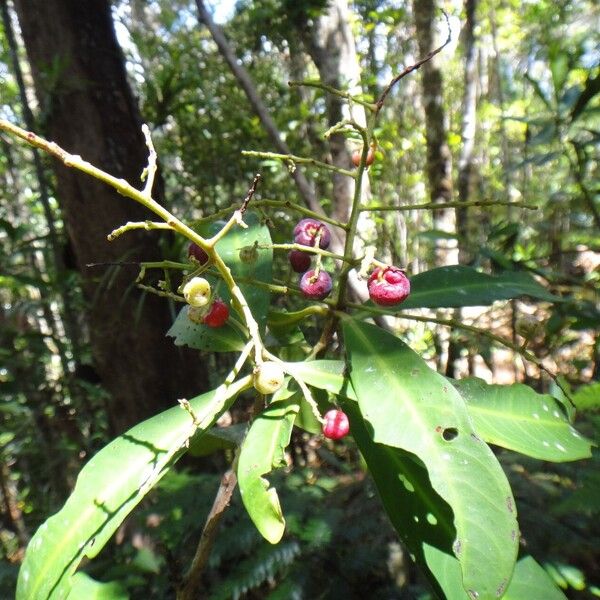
458,285
518,418
410,406
262,451
423,520
201,337
110,485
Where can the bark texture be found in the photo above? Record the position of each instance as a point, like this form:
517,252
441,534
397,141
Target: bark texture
468,127
330,43
88,108
439,160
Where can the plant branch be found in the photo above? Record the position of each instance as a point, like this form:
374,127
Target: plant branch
188,590
408,70
331,90
126,189
445,205
291,158
130,225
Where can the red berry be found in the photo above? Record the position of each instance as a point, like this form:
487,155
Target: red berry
316,288
357,154
306,231
299,260
388,286
198,253
336,424
217,314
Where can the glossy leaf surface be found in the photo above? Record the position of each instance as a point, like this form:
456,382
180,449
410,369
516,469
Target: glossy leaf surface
90,589
410,406
518,418
228,338
262,451
110,485
458,285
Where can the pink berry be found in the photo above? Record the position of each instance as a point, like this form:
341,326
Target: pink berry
336,424
198,253
217,314
316,288
306,232
299,260
388,286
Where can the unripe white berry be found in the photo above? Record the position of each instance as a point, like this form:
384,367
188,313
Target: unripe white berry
197,292
268,377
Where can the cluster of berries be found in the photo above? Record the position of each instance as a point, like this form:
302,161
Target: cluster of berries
387,285
203,308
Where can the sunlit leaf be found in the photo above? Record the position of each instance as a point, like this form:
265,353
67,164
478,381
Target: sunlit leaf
90,589
110,485
262,451
518,418
457,285
410,406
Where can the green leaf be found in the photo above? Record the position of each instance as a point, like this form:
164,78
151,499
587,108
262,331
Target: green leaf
110,485
90,589
531,581
228,338
202,337
324,374
410,406
423,520
262,451
216,438
457,286
259,299
587,397
518,418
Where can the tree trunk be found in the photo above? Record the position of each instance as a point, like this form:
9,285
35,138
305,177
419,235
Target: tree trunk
439,162
468,127
79,75
330,43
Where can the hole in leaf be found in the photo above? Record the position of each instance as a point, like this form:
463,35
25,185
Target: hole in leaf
450,433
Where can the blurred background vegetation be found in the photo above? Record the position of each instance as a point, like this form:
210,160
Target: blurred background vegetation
509,112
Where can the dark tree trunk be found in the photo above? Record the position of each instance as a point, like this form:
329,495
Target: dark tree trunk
468,127
439,162
87,107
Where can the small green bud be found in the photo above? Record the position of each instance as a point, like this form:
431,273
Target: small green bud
249,254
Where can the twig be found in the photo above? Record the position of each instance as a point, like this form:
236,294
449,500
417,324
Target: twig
188,591
334,91
250,193
292,159
150,171
440,206
147,225
393,82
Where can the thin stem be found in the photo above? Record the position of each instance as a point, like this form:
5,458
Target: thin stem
130,225
334,91
150,171
408,70
308,249
282,205
126,189
439,206
291,158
